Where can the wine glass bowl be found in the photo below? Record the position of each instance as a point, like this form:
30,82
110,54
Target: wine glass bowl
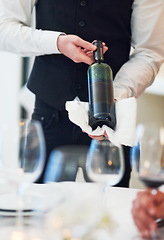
22,152
105,162
147,154
64,163
22,158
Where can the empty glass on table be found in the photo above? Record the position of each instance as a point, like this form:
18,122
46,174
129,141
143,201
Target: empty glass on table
105,162
22,158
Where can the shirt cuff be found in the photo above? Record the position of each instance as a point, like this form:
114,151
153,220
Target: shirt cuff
120,93
48,42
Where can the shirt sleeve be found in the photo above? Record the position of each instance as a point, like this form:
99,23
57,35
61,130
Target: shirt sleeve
18,36
147,40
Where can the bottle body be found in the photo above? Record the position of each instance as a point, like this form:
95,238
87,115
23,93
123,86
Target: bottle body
100,88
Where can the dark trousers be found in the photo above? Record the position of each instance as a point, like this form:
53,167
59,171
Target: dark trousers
60,131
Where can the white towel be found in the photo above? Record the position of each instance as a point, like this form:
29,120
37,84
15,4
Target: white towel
126,111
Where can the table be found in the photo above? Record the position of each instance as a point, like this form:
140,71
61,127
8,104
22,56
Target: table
117,200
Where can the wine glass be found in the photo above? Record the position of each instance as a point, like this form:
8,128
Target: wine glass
147,157
105,162
63,166
22,157
64,163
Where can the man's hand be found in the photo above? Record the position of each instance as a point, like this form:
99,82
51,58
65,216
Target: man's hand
146,209
77,49
100,137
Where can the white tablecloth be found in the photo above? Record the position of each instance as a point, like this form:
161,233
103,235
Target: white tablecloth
117,200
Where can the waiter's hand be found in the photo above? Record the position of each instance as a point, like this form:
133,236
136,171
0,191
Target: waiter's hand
146,209
99,137
77,49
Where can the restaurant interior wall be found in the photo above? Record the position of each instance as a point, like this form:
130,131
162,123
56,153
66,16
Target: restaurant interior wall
10,80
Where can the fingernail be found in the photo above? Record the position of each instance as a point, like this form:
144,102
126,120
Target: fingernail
93,47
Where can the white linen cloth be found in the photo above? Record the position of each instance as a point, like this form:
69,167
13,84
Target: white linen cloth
61,198
126,110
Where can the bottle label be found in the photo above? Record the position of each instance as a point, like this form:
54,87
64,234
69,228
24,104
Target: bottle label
101,92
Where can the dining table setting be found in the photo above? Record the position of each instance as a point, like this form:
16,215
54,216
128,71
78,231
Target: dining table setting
68,211
61,209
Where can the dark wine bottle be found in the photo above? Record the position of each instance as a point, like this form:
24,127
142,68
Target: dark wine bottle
100,87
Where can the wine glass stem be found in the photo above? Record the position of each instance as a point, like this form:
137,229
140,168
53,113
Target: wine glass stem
104,195
19,219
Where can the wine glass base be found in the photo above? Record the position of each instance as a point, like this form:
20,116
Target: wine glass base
31,205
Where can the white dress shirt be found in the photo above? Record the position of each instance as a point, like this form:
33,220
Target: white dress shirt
17,36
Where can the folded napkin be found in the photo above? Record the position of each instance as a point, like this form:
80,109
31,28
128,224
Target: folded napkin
126,110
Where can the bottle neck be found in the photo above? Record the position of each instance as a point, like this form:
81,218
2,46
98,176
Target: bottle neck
98,61
98,53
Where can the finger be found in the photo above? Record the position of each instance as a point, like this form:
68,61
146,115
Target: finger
99,138
145,198
105,134
160,210
86,45
86,59
89,54
143,221
153,203
150,208
81,56
159,197
143,230
105,49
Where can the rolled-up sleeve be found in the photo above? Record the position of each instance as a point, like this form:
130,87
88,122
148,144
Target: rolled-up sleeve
147,56
18,36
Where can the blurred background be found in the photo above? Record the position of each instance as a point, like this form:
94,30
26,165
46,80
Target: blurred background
16,100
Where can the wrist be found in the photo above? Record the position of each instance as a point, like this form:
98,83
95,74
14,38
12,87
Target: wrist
59,41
